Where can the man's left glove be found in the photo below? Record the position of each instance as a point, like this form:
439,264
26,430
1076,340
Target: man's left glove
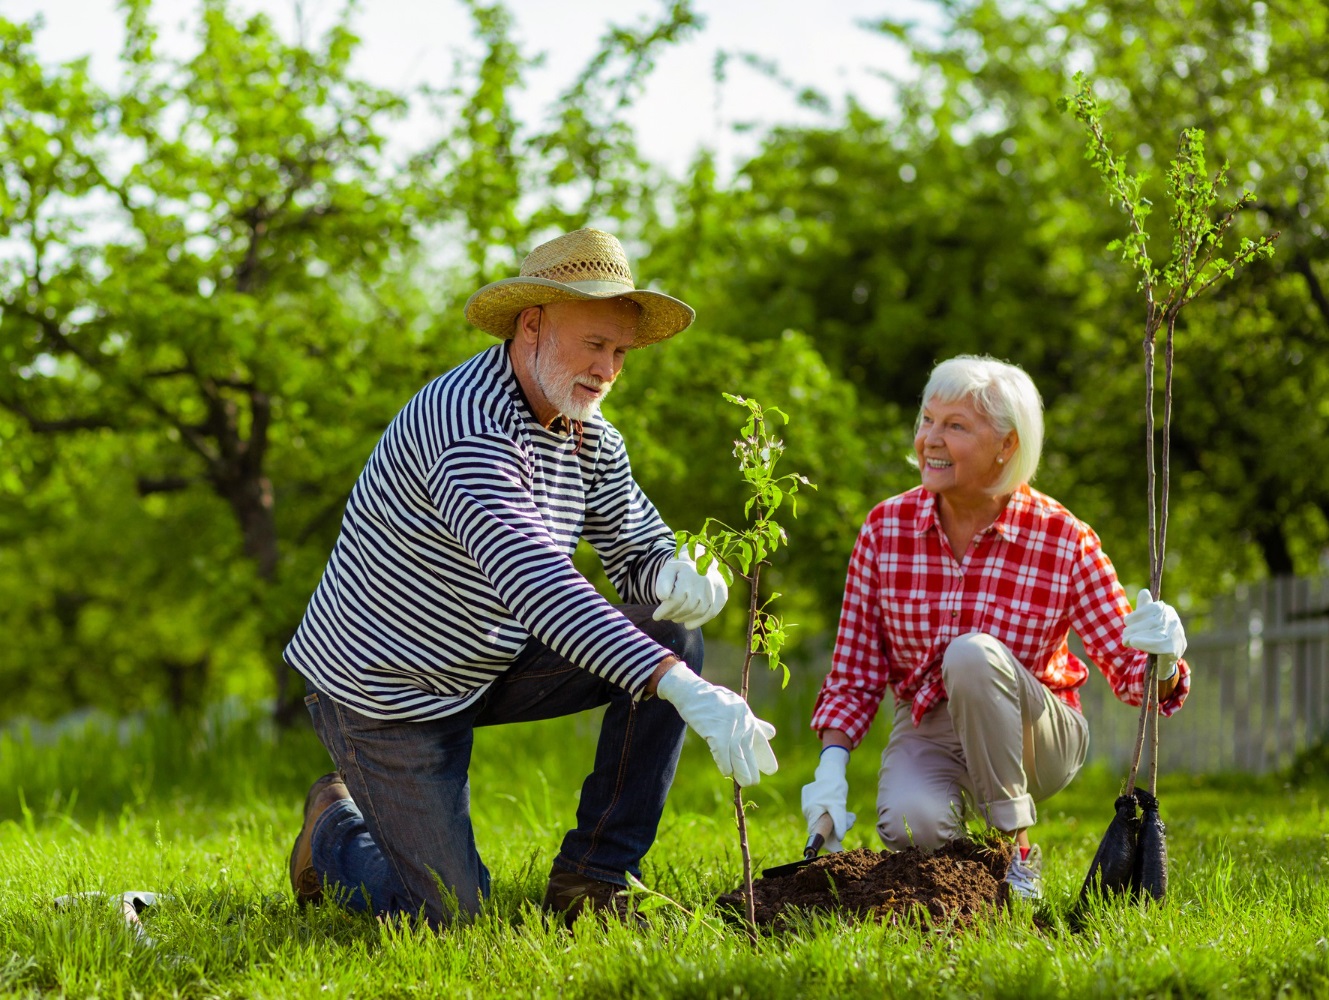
688,596
1155,628
739,741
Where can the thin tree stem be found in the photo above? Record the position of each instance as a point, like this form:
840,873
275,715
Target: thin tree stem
752,630
738,791
1157,575
751,907
1153,727
1151,325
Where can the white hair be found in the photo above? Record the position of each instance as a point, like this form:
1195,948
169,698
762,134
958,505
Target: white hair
1003,395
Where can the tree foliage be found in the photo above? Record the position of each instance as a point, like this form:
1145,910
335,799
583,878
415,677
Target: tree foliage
1253,351
217,286
969,221
222,276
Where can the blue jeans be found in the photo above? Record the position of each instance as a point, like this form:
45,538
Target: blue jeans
403,842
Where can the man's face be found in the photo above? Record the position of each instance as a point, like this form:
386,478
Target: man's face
580,352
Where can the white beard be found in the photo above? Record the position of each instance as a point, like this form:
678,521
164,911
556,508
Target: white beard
559,385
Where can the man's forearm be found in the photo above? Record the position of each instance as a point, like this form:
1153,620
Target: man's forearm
662,669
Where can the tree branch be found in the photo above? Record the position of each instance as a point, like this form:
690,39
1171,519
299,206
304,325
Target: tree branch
147,485
255,449
41,426
1302,265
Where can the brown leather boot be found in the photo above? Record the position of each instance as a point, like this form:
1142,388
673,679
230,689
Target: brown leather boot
323,793
570,895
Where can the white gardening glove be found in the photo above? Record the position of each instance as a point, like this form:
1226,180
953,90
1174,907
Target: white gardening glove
739,741
828,794
1155,628
687,596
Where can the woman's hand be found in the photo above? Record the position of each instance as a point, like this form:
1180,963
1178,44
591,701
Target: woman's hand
1154,627
828,792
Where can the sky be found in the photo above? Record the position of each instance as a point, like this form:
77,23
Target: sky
408,42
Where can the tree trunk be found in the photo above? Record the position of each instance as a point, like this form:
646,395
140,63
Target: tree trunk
1274,548
239,478
253,507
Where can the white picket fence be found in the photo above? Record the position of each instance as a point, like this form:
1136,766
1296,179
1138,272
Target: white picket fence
1261,685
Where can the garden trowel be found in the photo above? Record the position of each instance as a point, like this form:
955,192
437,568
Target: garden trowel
823,829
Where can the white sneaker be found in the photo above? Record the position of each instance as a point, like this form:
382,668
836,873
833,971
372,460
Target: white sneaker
1025,876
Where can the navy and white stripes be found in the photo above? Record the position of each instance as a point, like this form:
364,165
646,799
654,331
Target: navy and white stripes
456,548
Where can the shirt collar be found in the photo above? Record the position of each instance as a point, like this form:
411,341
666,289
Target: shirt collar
560,425
927,516
515,390
1007,524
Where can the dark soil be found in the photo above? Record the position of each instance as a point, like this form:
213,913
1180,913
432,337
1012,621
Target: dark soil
953,886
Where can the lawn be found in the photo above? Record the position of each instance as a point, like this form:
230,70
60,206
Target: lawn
205,811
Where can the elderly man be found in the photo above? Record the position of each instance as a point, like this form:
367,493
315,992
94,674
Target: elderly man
451,601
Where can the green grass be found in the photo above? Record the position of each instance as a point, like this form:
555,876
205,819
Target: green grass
206,810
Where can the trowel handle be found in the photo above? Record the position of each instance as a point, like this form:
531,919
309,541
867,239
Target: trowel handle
822,829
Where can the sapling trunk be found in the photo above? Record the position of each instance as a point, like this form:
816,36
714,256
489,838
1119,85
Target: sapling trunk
1155,557
739,811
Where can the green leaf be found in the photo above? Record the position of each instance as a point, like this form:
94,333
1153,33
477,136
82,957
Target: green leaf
744,558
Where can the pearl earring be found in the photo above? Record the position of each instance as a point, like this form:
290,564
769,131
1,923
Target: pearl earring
1000,460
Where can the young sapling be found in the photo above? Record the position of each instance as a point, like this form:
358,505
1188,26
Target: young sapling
742,552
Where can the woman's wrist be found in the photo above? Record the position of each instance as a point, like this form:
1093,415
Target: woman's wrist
836,738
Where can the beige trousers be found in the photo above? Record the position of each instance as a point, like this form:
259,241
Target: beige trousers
1000,743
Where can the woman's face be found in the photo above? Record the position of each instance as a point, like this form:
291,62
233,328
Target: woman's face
960,454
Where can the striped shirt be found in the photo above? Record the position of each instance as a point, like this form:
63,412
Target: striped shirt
456,549
1030,577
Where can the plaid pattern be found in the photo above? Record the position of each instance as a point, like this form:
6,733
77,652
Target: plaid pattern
1028,579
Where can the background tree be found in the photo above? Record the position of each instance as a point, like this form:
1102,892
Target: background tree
220,279
214,294
1255,351
199,262
968,221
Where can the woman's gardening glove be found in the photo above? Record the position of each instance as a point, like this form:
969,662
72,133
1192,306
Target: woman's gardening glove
1155,628
739,741
828,794
688,596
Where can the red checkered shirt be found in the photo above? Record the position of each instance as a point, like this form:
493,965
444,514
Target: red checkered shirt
1029,578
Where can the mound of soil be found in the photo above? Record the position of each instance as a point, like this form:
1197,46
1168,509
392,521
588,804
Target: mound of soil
954,885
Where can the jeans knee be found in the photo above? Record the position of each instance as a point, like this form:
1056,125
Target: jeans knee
685,643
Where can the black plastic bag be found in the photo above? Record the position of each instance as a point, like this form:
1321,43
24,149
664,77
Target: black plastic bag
1113,868
1149,877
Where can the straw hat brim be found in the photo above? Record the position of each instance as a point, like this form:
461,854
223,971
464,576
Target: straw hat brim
495,307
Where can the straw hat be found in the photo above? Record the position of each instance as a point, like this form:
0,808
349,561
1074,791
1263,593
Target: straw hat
582,265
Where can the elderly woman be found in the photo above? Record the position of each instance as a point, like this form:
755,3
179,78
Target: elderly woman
959,598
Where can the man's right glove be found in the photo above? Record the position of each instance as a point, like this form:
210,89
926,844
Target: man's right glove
686,594
739,741
828,794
